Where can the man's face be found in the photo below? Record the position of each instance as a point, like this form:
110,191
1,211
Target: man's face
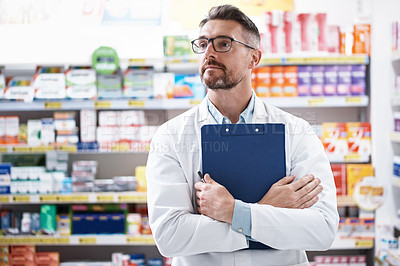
224,70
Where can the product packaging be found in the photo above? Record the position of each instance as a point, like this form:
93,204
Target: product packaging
344,80
396,117
333,43
320,21
362,39
346,40
290,81
339,174
140,173
189,86
334,139
330,80
11,129
48,217
277,81
177,46
317,80
109,85
305,20
263,81
138,82
81,83
163,85
88,126
359,139
304,80
2,130
49,83
358,80
5,178
274,24
19,88
356,172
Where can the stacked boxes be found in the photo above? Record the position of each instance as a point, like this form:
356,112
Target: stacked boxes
347,141
83,175
358,260
49,83
316,80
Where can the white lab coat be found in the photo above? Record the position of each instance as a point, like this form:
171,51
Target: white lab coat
193,239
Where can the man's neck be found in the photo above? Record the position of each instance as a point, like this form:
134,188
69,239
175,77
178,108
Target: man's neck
231,103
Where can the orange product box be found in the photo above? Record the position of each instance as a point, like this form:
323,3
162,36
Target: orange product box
290,81
334,138
263,81
47,258
362,39
339,175
355,172
11,129
359,138
22,249
277,81
24,259
2,130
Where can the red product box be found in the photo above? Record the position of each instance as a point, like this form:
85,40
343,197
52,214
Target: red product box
24,259
339,174
47,258
333,39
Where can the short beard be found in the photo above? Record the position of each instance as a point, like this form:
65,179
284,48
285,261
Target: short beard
219,83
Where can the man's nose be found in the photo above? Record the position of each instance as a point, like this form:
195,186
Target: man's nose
210,49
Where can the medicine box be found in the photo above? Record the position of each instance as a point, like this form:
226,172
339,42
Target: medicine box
109,85
80,83
177,46
19,88
355,172
138,82
5,178
188,86
49,83
339,174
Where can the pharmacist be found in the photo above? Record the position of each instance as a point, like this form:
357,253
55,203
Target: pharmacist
201,223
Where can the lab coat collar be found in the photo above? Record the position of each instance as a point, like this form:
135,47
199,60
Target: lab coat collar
260,111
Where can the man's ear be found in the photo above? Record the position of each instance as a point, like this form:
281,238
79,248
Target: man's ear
255,58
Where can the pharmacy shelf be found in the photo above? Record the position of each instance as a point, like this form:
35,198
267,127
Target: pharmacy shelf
179,104
92,197
118,148
351,243
324,59
77,240
395,137
119,240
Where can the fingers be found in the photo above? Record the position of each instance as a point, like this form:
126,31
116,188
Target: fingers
285,180
310,194
208,178
301,182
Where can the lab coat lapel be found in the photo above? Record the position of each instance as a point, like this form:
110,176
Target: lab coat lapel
260,114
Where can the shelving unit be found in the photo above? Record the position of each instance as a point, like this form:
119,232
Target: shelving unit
323,108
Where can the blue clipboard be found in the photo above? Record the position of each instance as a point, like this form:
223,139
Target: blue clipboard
245,158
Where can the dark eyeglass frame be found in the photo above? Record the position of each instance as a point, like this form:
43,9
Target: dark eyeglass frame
212,41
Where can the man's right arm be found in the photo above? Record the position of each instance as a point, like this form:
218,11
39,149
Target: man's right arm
177,229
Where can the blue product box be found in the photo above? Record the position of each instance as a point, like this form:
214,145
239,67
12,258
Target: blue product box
5,220
5,178
189,86
98,223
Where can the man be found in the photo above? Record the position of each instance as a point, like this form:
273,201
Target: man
201,223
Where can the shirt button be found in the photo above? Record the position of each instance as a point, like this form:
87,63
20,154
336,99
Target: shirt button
240,230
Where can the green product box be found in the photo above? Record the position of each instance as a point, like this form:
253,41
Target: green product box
176,46
48,217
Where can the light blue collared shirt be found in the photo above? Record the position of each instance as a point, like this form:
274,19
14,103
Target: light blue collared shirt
241,220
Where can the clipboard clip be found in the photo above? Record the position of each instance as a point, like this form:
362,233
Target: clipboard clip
242,129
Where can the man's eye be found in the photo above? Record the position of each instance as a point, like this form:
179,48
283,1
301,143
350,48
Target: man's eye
202,44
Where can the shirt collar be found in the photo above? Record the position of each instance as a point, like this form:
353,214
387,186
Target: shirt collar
245,117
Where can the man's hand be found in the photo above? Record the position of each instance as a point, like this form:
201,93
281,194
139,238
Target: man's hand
214,200
299,194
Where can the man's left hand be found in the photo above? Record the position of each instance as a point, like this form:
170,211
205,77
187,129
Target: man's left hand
214,200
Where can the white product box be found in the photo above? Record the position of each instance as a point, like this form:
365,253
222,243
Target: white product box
88,126
2,130
49,85
128,118
48,134
109,118
81,83
34,131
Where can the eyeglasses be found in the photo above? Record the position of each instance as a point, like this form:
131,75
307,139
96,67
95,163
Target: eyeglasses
221,44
